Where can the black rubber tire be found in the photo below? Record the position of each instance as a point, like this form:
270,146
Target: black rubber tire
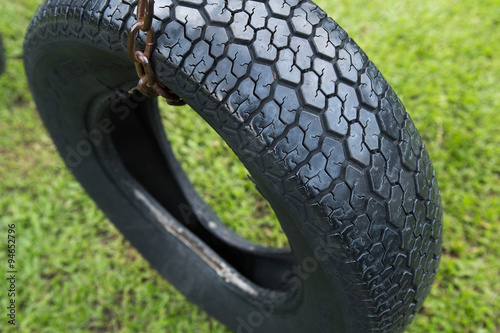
326,140
2,56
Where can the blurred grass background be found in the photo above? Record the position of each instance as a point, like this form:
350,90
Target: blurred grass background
78,274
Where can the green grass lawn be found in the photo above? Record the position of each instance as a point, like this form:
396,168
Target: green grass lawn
78,274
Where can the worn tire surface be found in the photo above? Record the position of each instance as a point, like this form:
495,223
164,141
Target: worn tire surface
325,138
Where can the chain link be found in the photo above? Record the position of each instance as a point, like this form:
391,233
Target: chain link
147,85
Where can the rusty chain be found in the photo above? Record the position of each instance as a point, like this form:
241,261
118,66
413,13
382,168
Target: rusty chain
147,85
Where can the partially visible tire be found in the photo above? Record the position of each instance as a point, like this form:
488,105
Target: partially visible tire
325,138
2,56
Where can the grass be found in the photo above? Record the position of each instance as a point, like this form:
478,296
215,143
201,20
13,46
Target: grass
77,274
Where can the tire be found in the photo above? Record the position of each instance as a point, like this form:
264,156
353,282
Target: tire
2,56
326,140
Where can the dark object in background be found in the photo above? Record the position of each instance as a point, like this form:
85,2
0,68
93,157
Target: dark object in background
2,56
